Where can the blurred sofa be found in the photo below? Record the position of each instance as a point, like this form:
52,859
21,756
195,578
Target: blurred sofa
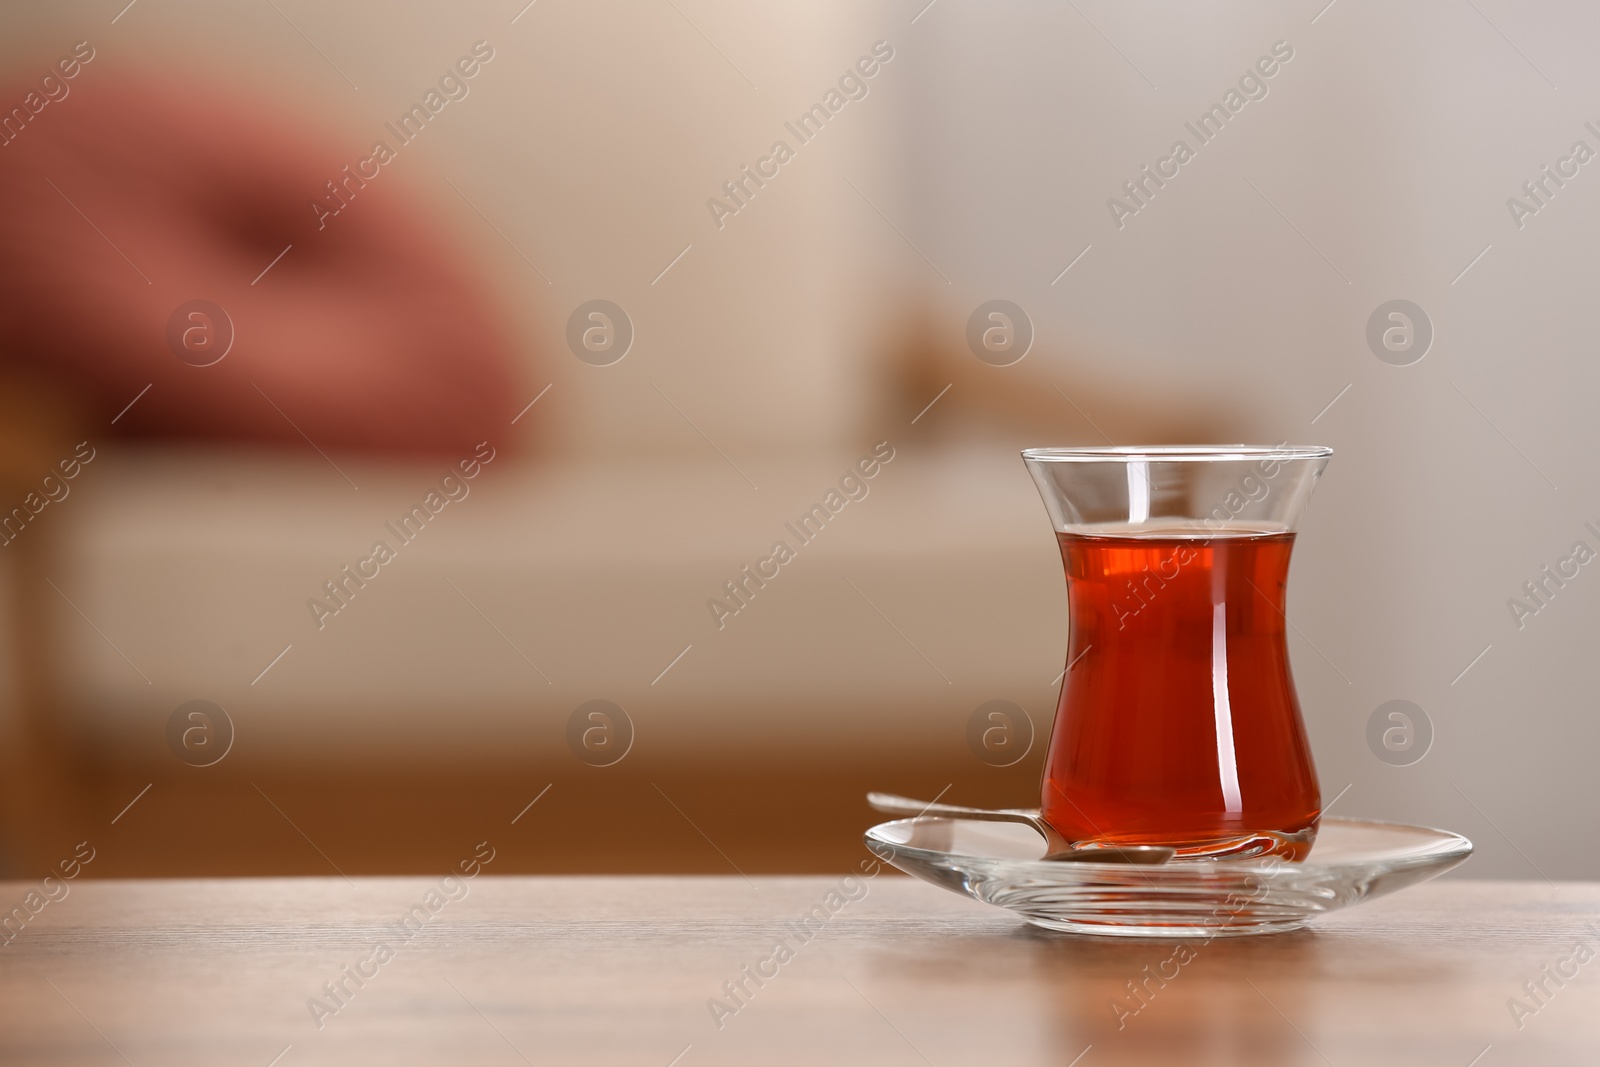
440,695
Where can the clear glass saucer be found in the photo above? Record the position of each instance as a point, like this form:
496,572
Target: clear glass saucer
1352,860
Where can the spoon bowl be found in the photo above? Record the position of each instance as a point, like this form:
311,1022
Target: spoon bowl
1057,848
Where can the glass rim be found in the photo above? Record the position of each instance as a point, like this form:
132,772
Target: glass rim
1185,453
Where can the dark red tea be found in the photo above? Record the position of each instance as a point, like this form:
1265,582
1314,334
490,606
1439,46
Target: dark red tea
1178,722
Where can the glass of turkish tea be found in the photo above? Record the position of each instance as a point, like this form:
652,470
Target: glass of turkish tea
1178,723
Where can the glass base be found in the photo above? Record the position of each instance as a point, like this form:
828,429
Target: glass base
1293,847
1123,927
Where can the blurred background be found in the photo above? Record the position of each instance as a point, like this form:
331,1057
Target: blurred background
274,341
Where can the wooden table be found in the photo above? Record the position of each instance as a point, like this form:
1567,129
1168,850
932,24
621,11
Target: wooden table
629,970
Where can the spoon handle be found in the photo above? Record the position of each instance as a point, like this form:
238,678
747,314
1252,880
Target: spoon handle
892,804
1058,848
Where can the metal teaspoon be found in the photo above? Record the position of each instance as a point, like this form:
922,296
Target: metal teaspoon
1058,848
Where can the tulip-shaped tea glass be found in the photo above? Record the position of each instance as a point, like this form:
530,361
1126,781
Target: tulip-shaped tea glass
1178,722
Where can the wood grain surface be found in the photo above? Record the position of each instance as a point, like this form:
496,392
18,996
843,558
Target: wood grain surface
539,970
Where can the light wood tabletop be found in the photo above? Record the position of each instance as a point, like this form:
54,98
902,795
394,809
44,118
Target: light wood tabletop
688,971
